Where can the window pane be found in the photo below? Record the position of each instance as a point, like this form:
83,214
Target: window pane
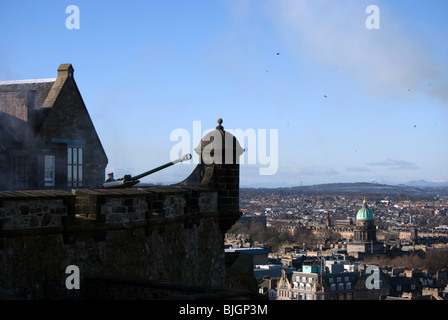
75,156
69,175
21,172
49,171
75,175
74,166
69,156
80,175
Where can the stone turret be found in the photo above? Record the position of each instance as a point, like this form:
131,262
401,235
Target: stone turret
219,169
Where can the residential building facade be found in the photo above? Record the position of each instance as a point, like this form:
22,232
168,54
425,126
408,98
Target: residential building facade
314,283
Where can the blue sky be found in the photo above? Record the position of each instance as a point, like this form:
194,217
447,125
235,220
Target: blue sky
350,104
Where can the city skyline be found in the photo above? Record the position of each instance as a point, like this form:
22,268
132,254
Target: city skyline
349,103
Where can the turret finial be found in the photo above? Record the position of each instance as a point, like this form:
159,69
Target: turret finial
220,127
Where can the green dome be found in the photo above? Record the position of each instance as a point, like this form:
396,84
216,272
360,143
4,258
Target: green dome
364,213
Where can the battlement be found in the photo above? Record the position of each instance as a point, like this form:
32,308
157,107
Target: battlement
168,233
34,209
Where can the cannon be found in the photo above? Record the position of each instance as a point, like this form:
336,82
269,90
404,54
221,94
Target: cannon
128,181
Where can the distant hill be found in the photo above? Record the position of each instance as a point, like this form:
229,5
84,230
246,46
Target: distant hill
424,183
367,188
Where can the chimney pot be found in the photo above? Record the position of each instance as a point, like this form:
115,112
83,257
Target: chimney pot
65,70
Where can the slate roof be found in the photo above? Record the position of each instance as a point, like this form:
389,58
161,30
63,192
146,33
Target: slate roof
41,87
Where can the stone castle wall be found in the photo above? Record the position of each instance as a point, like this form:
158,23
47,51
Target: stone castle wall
171,234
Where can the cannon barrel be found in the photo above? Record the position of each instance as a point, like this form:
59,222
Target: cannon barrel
128,181
166,165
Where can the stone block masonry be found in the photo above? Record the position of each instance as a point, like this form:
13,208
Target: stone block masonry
31,209
170,234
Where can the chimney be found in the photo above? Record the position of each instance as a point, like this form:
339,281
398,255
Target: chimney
65,71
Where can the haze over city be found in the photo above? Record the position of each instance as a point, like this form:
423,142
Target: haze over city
349,103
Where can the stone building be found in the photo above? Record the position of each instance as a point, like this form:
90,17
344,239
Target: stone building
315,282
364,234
47,138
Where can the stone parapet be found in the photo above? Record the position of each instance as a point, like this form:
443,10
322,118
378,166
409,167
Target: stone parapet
34,209
168,233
